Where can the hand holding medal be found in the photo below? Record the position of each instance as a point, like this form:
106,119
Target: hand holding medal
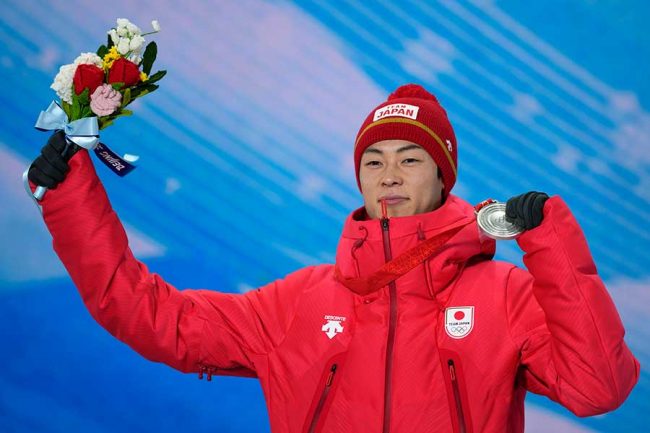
505,221
94,91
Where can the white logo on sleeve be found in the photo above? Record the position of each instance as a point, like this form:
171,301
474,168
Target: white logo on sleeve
449,146
459,321
333,326
396,110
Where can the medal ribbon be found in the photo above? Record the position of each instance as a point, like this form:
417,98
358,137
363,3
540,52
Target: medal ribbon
400,265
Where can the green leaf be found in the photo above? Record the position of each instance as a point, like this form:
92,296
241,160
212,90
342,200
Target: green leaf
67,108
110,43
109,120
86,112
117,86
76,107
81,105
156,77
126,97
140,91
105,121
149,57
84,97
102,51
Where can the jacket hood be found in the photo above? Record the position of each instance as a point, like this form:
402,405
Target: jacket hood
360,252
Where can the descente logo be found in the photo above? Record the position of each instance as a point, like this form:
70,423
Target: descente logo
396,110
333,325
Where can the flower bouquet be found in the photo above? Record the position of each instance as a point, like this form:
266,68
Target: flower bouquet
97,88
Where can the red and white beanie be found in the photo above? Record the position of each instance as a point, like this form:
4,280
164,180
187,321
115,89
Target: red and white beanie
413,114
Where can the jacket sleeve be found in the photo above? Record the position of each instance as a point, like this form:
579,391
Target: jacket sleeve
564,322
186,329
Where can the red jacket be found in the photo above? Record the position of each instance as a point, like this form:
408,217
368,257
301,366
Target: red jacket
452,346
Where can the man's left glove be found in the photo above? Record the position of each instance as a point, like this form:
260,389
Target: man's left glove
526,210
51,167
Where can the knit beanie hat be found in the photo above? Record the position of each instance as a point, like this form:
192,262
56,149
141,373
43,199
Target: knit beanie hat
413,114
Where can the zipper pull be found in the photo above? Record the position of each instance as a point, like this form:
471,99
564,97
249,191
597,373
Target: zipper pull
452,370
208,370
330,378
384,216
421,235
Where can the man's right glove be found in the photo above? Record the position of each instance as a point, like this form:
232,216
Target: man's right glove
51,166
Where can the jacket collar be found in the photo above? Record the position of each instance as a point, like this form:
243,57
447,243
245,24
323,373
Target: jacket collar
360,251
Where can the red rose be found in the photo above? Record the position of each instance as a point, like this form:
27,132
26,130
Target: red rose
124,71
87,76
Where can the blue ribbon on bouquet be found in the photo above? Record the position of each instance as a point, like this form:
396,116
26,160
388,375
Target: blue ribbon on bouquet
84,133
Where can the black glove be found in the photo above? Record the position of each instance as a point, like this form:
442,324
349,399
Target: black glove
51,166
526,210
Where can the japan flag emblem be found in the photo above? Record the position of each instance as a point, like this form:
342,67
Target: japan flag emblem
459,321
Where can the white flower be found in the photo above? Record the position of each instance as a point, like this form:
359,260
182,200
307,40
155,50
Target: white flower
128,39
62,84
123,46
133,29
114,37
155,25
136,43
88,59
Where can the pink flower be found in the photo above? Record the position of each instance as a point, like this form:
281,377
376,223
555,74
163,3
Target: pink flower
105,100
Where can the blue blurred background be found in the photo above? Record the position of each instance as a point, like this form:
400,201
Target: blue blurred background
246,170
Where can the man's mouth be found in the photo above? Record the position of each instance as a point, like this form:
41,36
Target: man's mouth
393,199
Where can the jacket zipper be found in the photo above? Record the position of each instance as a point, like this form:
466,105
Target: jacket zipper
459,405
323,398
392,290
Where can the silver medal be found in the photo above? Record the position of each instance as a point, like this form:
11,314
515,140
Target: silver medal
491,219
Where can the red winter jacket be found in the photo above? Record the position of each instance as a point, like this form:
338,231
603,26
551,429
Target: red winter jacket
452,346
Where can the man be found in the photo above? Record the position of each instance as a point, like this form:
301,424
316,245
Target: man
415,328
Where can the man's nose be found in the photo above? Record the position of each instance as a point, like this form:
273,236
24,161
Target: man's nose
391,176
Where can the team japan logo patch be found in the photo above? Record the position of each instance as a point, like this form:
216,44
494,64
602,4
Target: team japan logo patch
396,110
459,321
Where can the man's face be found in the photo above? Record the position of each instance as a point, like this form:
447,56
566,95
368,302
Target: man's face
401,173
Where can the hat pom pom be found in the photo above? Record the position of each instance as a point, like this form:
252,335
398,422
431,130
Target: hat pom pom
412,91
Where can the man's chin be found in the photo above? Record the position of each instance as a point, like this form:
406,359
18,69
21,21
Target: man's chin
401,210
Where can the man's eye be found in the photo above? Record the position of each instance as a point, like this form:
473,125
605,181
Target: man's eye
372,164
410,160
